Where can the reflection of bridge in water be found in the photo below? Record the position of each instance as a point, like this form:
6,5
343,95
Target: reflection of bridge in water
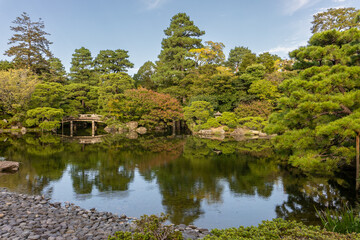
93,118
85,139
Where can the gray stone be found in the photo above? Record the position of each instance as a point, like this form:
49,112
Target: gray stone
132,125
141,130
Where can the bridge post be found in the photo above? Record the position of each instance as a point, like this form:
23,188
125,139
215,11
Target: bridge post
93,128
71,129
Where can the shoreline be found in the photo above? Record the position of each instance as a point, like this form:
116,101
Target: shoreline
25,216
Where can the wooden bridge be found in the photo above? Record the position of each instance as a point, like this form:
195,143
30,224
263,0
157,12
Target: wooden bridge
93,118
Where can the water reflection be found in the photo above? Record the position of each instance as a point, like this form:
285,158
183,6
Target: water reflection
190,174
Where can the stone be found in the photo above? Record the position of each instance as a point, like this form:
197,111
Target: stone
23,130
239,132
218,131
141,130
205,132
9,166
254,132
132,125
110,129
132,135
261,134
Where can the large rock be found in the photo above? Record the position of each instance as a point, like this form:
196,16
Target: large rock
141,130
9,166
110,129
218,131
132,135
239,132
205,132
23,130
132,126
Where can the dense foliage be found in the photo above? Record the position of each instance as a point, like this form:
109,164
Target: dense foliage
313,97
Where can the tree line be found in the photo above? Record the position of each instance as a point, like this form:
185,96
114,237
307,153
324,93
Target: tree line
310,101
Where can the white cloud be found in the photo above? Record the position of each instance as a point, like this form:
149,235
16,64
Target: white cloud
153,4
339,0
283,51
292,6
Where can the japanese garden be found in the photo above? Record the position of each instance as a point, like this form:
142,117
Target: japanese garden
194,145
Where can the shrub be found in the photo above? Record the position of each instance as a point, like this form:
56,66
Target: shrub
229,119
254,109
257,123
344,220
211,123
150,228
278,229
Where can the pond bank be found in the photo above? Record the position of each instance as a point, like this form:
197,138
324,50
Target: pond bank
36,217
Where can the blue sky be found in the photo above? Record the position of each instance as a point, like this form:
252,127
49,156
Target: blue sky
137,26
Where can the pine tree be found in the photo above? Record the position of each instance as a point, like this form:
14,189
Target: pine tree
31,49
182,35
81,70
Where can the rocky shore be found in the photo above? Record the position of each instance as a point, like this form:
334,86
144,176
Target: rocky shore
36,217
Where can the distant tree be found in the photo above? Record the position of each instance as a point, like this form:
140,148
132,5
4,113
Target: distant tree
82,64
210,54
335,18
268,60
31,48
198,113
109,61
56,72
80,98
182,35
144,74
236,56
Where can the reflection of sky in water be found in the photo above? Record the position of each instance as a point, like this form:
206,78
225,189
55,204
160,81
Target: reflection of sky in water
143,197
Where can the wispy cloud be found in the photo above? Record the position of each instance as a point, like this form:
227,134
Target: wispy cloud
283,51
292,6
153,4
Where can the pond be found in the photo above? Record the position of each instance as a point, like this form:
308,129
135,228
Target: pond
208,183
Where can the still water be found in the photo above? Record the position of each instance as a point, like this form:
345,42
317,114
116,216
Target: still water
209,183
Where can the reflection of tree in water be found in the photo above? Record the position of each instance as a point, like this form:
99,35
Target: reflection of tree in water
41,162
308,194
194,177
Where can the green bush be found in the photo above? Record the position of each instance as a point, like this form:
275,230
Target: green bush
211,123
229,119
150,228
256,123
278,229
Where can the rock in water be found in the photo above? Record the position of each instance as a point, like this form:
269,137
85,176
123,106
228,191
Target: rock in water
9,166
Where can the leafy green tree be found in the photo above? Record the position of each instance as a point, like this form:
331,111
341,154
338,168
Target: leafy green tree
112,86
335,18
80,98
109,61
268,60
210,54
318,118
236,56
81,70
197,113
16,88
150,108
143,76
45,117
182,35
48,94
31,49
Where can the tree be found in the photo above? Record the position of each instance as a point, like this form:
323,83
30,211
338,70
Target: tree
81,70
197,113
109,61
16,88
150,108
112,86
32,47
182,35
143,76
268,60
57,71
210,54
80,98
48,94
45,117
236,56
335,18
6,65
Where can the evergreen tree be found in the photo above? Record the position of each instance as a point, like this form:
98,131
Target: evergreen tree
109,61
144,74
31,49
82,64
182,35
236,56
